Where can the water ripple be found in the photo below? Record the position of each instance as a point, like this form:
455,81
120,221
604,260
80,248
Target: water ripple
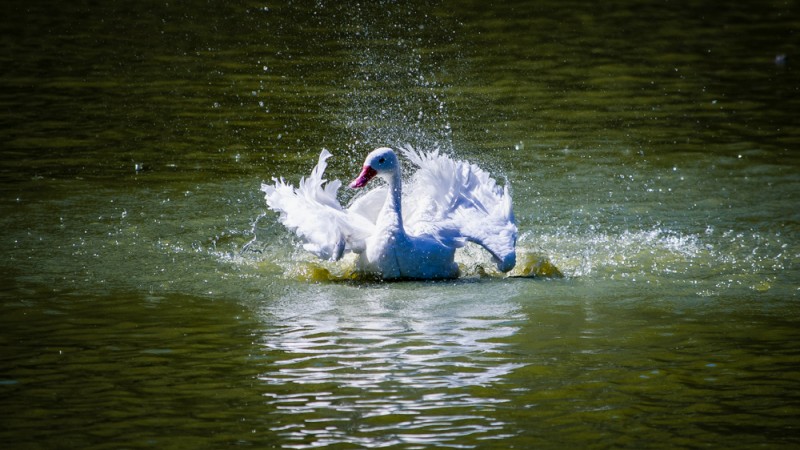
409,371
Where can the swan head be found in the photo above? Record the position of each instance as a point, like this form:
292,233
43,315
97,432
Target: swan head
381,162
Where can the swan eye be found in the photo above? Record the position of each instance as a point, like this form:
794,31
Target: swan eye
382,160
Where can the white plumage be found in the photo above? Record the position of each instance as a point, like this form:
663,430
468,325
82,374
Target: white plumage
401,231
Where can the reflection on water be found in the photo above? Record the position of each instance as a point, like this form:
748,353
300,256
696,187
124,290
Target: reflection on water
386,365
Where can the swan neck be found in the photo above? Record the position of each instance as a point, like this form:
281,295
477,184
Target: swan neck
393,203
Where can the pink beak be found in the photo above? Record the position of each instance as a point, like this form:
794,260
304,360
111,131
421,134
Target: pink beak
367,173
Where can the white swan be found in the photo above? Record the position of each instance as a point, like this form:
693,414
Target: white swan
401,235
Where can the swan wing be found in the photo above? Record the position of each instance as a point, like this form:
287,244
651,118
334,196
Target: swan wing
368,205
493,229
454,201
313,212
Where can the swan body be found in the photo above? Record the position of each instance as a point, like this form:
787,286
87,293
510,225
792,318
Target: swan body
396,234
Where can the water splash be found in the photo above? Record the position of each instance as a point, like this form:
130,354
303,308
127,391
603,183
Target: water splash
712,261
623,255
397,89
473,262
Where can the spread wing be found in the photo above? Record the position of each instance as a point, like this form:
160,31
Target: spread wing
455,201
313,212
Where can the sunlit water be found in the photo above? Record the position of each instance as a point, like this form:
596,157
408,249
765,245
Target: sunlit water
149,300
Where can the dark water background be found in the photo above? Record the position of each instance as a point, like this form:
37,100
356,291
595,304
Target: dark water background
652,151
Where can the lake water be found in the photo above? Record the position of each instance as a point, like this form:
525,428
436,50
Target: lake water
149,300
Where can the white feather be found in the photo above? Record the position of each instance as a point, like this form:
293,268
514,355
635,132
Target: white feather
446,203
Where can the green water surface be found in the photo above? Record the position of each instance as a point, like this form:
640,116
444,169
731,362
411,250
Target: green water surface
149,300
